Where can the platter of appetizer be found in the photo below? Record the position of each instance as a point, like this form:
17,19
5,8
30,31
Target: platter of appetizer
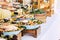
9,29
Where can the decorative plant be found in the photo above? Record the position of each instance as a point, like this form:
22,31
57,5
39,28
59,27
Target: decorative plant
37,11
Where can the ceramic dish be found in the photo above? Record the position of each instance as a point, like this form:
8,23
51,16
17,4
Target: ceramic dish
12,32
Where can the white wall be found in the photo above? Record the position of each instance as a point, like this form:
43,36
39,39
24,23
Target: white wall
53,32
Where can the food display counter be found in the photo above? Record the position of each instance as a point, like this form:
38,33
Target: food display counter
17,18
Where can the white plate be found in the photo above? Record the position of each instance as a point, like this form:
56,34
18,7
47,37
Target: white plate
12,33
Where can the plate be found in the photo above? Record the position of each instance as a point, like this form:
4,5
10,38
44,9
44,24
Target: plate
12,32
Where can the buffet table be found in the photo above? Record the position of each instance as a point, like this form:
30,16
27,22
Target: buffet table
22,18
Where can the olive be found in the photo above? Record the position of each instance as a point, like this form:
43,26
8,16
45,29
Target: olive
14,36
1,33
7,36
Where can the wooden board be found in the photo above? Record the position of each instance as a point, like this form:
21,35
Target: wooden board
19,36
32,32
